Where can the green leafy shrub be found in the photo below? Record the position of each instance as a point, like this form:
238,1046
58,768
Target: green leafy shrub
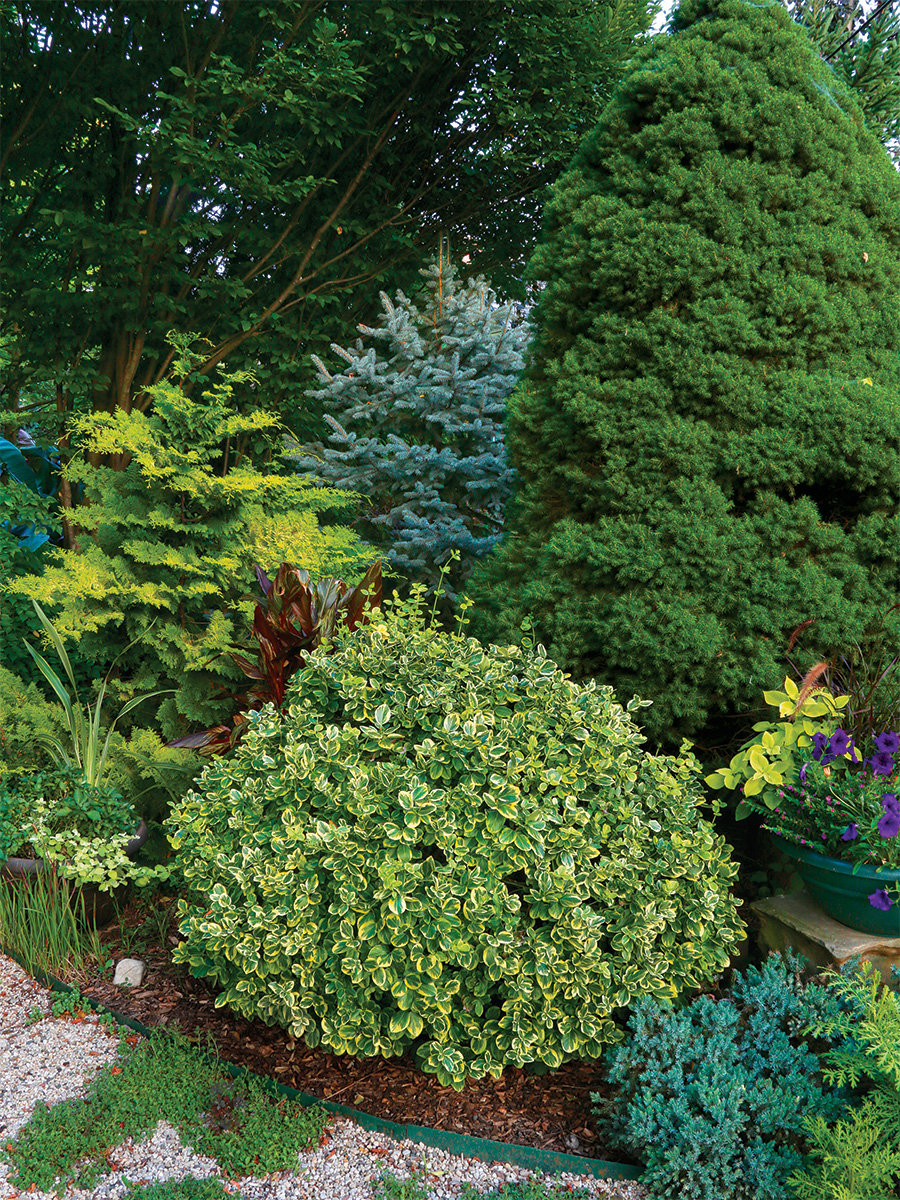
449,847
81,828
713,1096
859,1157
18,620
22,508
27,720
148,775
82,748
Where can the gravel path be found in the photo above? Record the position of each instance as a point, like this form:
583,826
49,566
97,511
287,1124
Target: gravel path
54,1058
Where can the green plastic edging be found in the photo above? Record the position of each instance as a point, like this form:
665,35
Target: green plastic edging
548,1161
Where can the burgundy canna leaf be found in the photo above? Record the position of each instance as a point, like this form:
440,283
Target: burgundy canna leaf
291,618
264,582
248,668
205,742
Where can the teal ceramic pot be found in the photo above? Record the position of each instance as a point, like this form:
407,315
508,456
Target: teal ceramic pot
843,893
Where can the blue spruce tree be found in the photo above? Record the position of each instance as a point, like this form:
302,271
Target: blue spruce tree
416,423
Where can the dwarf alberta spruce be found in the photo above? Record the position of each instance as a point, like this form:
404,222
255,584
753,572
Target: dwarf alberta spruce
449,847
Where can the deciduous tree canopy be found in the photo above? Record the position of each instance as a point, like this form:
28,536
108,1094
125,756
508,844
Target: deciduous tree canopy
237,170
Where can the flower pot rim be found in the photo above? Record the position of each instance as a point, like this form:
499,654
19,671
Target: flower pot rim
839,865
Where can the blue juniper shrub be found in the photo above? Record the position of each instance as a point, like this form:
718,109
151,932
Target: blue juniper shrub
713,1096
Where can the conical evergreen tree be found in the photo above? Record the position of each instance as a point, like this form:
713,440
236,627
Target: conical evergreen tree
417,424
708,434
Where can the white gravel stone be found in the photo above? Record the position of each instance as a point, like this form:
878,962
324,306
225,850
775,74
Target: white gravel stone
129,972
54,1060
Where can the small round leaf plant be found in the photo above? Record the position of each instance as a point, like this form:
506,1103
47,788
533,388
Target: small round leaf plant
449,848
80,829
808,780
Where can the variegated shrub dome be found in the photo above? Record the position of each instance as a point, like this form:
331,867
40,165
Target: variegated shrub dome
450,847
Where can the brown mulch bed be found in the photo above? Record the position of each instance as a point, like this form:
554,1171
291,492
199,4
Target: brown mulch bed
550,1111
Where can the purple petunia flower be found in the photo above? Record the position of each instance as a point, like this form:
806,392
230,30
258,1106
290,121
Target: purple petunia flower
880,899
803,771
851,832
838,743
889,825
820,741
887,742
881,763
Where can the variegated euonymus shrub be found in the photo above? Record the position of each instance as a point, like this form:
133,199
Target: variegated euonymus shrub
448,847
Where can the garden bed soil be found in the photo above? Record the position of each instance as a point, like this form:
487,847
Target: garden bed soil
550,1111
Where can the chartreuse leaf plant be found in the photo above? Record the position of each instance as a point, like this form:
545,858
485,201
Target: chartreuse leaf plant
772,757
166,545
448,848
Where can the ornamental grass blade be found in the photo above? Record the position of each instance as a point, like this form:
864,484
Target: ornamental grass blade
136,700
57,645
57,750
93,766
74,719
52,678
